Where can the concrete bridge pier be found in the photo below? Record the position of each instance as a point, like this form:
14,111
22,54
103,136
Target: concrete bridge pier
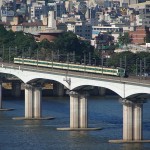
78,112
132,119
28,101
37,102
132,122
16,89
138,118
1,105
102,91
74,110
58,89
127,120
33,104
83,110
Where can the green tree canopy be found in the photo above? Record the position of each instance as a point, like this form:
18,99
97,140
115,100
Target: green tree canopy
130,60
22,44
147,38
124,39
69,42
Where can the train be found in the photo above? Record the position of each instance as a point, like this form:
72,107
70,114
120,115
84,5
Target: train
119,72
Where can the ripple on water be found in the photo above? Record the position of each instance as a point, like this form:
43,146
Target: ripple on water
42,135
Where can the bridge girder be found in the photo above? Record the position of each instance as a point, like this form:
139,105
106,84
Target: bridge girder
123,89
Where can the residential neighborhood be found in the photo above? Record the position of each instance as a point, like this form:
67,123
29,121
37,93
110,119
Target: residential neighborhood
75,74
100,22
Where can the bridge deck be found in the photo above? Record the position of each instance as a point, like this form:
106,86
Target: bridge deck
131,79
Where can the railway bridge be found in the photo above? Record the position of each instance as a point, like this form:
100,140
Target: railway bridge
133,94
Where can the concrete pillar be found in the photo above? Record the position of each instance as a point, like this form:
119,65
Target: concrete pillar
16,89
0,95
58,89
127,120
137,128
28,101
132,119
83,111
102,91
33,103
74,110
37,102
78,110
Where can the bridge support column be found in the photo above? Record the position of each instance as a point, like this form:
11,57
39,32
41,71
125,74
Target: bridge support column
127,120
16,89
33,104
78,112
58,89
132,119
37,102
28,101
74,110
138,117
1,105
83,110
102,91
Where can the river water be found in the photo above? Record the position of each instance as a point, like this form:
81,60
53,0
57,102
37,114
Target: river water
105,112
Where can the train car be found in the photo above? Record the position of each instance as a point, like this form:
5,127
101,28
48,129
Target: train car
74,67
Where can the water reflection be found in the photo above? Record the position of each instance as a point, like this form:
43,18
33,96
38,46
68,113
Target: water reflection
78,133
132,146
31,123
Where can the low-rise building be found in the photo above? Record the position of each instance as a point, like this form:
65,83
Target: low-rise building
105,29
138,36
83,30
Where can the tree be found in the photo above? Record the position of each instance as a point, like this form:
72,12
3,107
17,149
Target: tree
120,39
25,45
124,39
118,58
127,38
24,40
69,42
147,38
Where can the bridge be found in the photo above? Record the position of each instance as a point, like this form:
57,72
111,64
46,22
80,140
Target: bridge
133,94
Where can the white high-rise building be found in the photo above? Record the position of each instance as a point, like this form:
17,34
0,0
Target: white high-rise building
51,20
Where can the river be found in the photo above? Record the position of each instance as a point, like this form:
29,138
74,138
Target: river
105,112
